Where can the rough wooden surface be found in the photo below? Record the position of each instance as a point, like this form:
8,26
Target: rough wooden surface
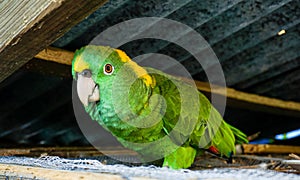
270,149
27,27
18,16
71,152
65,151
20,172
57,55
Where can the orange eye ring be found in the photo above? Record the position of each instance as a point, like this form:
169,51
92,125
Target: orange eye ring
108,69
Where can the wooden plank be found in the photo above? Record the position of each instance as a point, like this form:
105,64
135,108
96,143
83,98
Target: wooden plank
29,172
27,27
57,55
235,98
270,149
68,152
243,100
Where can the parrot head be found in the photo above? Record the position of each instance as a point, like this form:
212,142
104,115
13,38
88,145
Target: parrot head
94,68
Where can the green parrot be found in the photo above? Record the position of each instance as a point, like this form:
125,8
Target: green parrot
155,114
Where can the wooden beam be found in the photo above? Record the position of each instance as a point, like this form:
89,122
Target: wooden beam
269,149
243,100
29,172
57,55
67,152
237,99
27,27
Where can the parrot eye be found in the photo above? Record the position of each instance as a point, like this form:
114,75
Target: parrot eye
108,69
86,73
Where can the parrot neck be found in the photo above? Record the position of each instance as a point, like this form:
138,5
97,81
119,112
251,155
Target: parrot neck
120,104
141,73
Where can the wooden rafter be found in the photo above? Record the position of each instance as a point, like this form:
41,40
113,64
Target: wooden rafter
71,152
243,100
234,98
66,151
269,149
27,27
56,55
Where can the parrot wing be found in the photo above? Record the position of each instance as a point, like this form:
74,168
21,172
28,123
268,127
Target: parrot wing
202,128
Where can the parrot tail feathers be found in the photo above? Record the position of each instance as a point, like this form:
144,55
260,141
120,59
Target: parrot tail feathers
226,138
240,137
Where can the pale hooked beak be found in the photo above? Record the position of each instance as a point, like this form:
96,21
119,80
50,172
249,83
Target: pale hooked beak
87,89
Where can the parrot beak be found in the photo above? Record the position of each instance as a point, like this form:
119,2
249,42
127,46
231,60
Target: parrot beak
87,89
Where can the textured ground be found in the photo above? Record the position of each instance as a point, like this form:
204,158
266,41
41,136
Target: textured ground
93,168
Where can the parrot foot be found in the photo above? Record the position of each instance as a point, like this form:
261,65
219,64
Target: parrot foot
183,157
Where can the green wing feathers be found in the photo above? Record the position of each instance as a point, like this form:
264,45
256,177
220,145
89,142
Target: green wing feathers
210,129
240,137
215,131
